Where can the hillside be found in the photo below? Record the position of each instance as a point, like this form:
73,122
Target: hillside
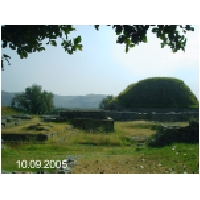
5,110
87,102
157,92
6,98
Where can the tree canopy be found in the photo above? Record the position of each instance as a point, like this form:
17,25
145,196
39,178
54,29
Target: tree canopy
157,92
35,100
25,39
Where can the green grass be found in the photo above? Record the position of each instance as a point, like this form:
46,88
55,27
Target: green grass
183,154
6,110
115,151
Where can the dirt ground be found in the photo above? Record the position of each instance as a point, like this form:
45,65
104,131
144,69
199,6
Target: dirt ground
116,164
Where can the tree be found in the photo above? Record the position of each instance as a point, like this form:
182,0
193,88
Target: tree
25,39
104,104
34,100
158,92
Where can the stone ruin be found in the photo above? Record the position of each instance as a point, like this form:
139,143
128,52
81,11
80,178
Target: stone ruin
69,115
13,120
22,116
88,120
27,137
38,127
95,125
167,135
161,115
9,121
12,137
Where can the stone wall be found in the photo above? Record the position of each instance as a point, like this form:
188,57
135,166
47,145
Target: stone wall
57,119
161,117
131,116
22,116
9,121
100,125
83,114
167,135
160,110
24,137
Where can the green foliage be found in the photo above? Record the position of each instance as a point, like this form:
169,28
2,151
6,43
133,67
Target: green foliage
132,35
105,102
25,39
34,100
158,92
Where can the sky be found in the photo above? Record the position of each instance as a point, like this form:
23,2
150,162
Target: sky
103,67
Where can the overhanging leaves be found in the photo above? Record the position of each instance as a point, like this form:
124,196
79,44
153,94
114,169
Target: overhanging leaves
25,39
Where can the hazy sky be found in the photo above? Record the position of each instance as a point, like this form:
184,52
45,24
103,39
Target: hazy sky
102,67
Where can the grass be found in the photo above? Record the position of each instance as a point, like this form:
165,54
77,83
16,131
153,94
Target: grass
6,110
106,152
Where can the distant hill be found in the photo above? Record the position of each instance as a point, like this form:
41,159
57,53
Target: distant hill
6,98
88,101
157,92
